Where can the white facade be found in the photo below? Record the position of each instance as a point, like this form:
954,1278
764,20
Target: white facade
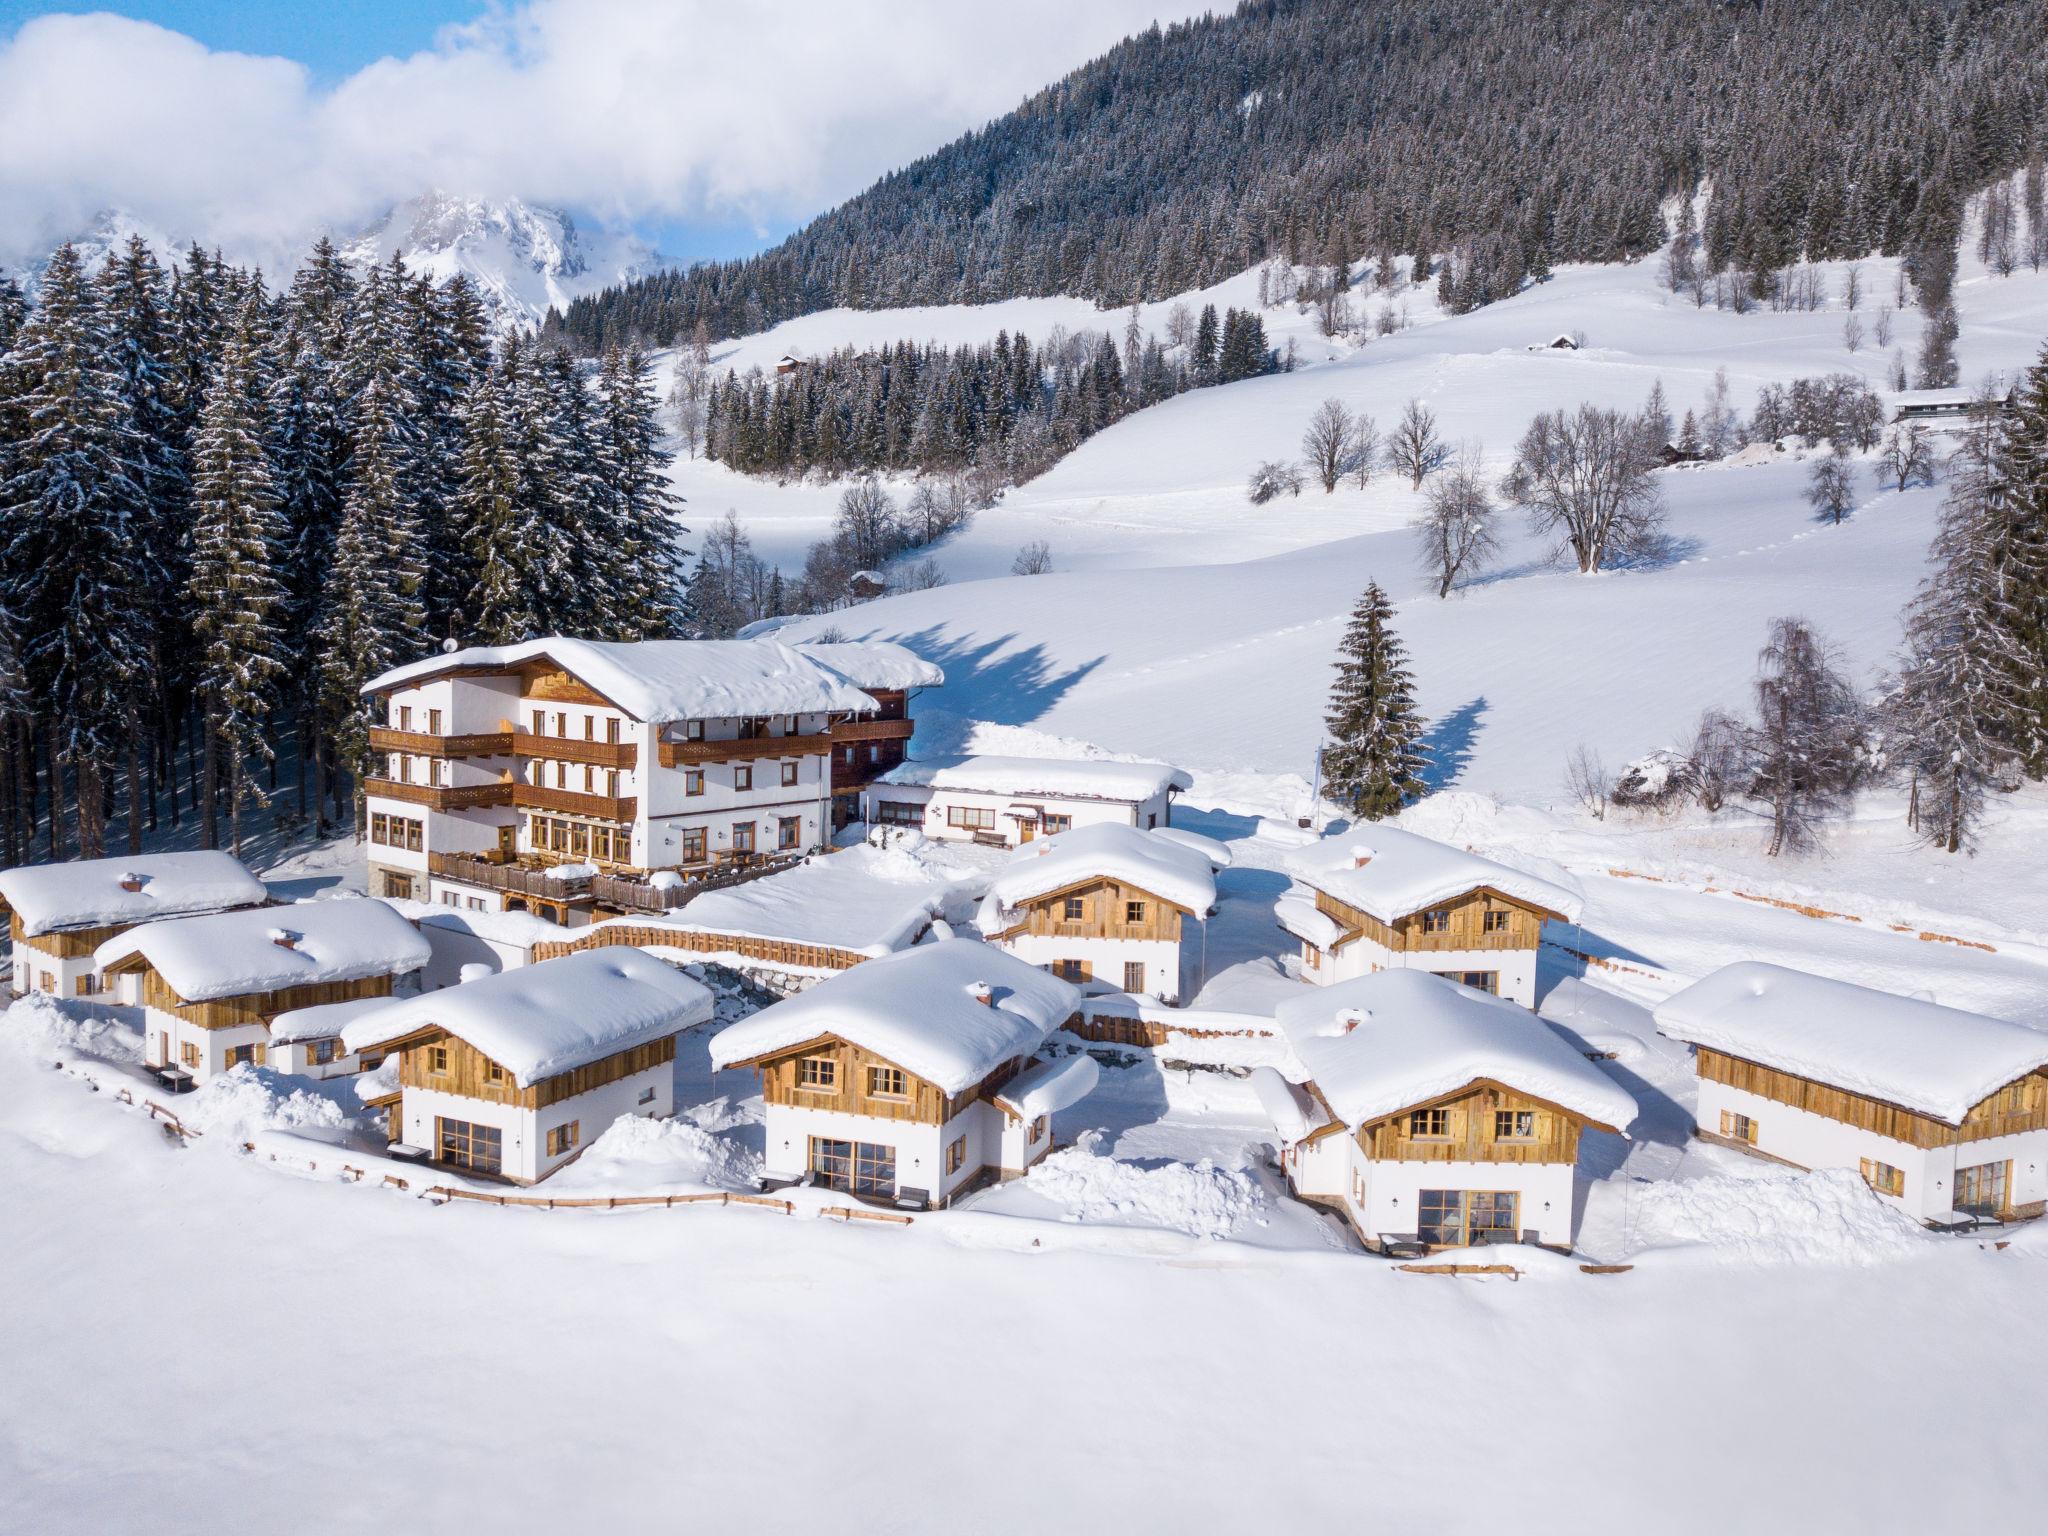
1928,1191
1159,960
1513,971
1385,1197
992,1139
171,1040
990,816
650,1093
34,970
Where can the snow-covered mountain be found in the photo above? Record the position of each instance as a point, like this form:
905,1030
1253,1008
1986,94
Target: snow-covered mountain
522,256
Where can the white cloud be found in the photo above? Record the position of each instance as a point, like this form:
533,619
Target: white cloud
667,110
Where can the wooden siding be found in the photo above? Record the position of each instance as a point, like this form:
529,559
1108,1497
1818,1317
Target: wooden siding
922,1102
1102,914
256,1007
469,1073
2019,1106
820,957
1470,1137
70,944
1466,932
556,686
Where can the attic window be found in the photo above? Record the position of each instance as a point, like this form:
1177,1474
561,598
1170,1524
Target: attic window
1429,1124
1437,920
1497,920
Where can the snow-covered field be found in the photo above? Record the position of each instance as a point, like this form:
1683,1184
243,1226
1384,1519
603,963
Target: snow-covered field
1146,1334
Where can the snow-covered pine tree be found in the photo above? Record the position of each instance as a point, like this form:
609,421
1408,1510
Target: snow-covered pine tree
1374,762
647,552
495,523
13,311
236,591
2021,463
71,571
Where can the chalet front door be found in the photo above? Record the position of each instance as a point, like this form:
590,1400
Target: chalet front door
508,841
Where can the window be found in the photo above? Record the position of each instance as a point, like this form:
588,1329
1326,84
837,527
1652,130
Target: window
1883,1177
433,722
476,904
693,845
540,722
789,830
1514,1125
493,1073
743,837
589,779
562,1138
693,730
693,781
462,1144
415,834
789,773
437,1060
863,1167
1459,1218
1429,1123
1437,921
1151,820
887,1083
956,1154
1050,824
973,818
1980,1191
1738,1127
1134,912
1479,981
611,729
322,1052
899,813
1071,970
590,727
244,1056
1074,909
405,717
820,1073
1496,920
451,899
874,754
562,723
1039,1127
743,777
438,772
188,1053
1134,975
86,985
647,1094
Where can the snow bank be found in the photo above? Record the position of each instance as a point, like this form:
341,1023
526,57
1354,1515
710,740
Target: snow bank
237,1104
39,1021
640,1154
1199,1199
1775,1216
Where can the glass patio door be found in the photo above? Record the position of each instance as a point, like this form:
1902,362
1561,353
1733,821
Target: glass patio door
1980,1191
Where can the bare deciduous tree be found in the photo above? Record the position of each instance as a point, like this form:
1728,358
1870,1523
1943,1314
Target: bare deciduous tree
1034,559
1583,476
1413,447
1362,449
920,577
1322,445
1906,456
1273,478
1805,747
1456,533
1587,780
1830,488
1716,755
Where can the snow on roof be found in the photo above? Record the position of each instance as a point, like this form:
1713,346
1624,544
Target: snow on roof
266,949
520,930
917,1008
874,663
1927,1058
323,1021
1385,1042
1390,873
1050,778
1297,912
1168,869
1932,397
538,1021
660,680
1049,1086
1288,1105
91,893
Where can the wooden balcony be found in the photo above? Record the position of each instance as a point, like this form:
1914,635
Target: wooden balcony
440,797
384,738
750,749
873,730
538,797
520,879
568,749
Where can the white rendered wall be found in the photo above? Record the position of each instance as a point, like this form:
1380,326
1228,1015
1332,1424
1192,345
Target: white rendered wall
1515,967
1107,957
1392,1191
649,1094
31,966
526,1130
213,1044
936,802
920,1148
297,1057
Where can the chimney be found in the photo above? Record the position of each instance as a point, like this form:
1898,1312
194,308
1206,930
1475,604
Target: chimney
1349,1019
982,993
131,882
1360,857
284,938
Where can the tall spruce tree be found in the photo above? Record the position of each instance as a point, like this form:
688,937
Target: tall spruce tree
1373,764
505,604
647,551
237,590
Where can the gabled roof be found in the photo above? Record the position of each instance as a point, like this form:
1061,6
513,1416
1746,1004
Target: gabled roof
322,1021
1919,1055
88,893
663,680
917,1009
1390,874
1051,778
539,1021
1380,1044
1174,869
266,949
874,663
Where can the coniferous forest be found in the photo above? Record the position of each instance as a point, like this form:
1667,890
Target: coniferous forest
1508,138
224,508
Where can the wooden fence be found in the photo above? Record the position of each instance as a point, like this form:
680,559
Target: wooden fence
610,1202
774,952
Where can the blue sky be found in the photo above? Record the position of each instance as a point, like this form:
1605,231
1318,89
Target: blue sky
711,127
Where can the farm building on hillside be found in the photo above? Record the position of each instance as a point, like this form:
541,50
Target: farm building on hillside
1105,906
1941,410
1943,1112
1004,801
908,1079
510,1076
1435,1116
1379,898
59,914
210,987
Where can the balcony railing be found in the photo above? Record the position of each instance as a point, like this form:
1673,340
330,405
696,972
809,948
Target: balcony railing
538,797
873,730
519,879
568,749
622,892
691,754
384,738
443,797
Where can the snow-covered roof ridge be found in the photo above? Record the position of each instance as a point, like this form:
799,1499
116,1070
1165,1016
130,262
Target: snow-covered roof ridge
919,1009
322,1021
95,893
538,1021
1169,868
1049,1086
874,663
663,680
266,949
1391,873
1070,778
1920,1055
1381,1043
